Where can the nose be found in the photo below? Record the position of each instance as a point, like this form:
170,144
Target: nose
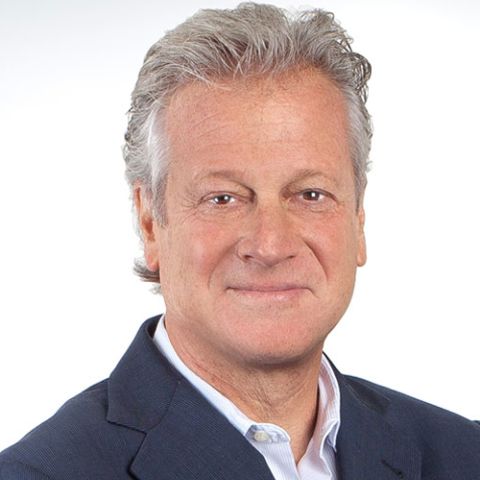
268,237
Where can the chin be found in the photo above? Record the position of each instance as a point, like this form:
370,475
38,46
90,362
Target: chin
282,360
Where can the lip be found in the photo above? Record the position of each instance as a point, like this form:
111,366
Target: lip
267,288
271,292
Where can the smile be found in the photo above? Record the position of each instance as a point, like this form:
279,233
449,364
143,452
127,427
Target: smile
269,292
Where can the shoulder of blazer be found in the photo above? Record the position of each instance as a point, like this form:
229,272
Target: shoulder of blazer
404,408
79,430
436,431
382,429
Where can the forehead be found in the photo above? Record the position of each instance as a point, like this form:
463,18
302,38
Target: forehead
297,115
306,90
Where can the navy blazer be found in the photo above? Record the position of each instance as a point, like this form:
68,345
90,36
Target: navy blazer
147,422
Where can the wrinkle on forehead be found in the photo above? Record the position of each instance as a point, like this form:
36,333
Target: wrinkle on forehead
249,97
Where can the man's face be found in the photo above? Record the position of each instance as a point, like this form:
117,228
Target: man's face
259,250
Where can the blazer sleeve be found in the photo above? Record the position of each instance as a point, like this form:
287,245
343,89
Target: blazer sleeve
19,471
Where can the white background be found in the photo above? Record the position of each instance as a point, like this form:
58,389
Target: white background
69,303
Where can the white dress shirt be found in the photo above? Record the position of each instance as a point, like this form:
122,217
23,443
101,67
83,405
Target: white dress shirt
272,441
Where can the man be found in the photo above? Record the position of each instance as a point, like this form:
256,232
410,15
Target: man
246,152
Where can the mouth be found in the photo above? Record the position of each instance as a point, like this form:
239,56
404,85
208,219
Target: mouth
270,292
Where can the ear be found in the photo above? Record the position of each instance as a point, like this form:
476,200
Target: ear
362,245
148,227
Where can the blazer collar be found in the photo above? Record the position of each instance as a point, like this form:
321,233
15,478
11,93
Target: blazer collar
185,437
367,445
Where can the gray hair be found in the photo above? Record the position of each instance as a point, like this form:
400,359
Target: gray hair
250,40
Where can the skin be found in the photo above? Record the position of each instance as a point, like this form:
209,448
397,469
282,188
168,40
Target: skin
262,238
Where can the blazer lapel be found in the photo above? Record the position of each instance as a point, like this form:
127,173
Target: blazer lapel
193,441
185,437
368,447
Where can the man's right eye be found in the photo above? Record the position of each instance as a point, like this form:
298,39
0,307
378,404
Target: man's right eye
223,199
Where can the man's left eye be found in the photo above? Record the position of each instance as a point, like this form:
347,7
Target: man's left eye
312,195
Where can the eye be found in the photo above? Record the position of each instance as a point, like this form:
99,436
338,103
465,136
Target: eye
222,199
312,195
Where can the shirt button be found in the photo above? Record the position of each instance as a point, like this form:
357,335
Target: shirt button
261,436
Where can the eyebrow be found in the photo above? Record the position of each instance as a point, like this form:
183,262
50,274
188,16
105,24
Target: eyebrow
308,173
238,175
228,174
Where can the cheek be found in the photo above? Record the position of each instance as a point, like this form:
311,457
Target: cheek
198,250
334,243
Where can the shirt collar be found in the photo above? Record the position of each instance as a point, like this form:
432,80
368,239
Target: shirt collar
328,416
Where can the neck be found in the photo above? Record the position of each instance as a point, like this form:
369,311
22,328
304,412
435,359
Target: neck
288,399
282,395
